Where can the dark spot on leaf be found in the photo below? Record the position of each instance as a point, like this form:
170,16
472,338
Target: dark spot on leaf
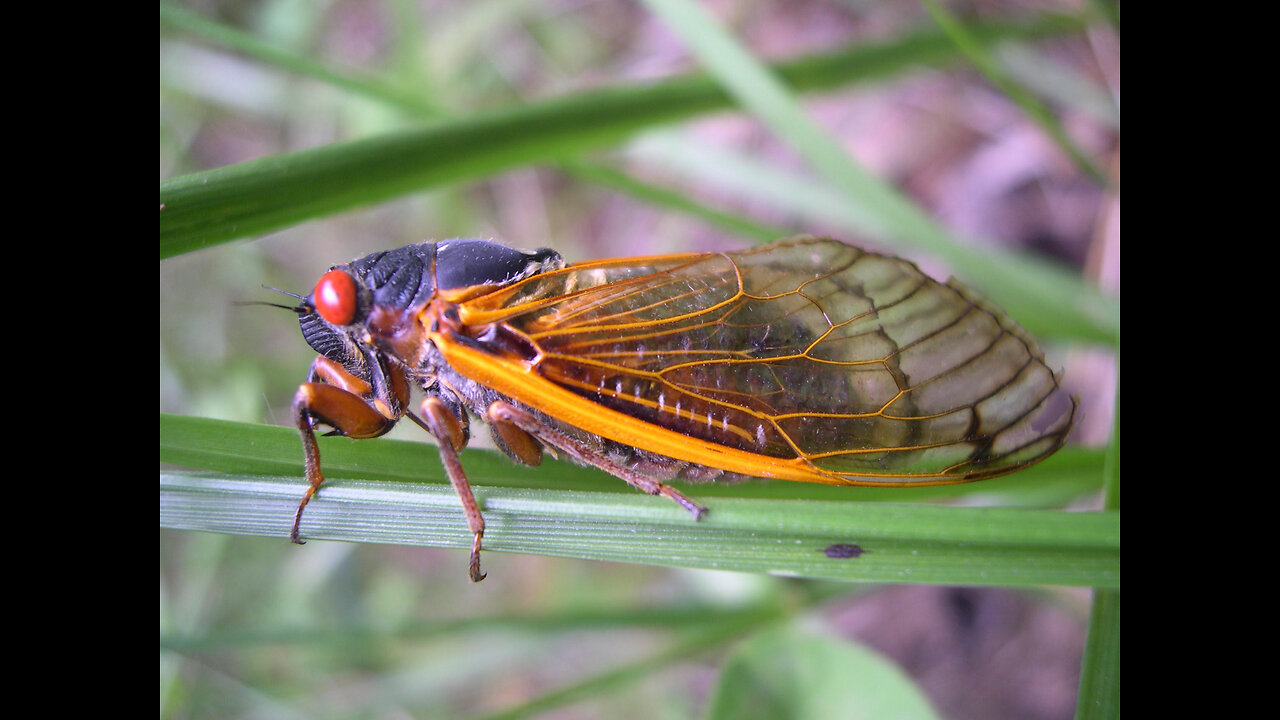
842,551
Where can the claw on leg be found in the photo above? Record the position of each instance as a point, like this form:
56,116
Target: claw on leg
474,567
297,517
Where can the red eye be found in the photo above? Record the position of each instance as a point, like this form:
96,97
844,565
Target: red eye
335,297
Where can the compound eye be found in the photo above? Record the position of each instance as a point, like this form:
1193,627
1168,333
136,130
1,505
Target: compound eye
335,297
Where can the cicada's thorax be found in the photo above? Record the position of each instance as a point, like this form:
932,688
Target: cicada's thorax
456,390
440,322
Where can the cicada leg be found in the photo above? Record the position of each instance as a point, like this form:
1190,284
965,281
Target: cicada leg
518,445
502,412
348,404
450,436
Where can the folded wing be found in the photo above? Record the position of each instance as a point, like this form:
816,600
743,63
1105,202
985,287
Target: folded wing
855,364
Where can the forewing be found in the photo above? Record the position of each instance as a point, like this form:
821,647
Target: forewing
856,363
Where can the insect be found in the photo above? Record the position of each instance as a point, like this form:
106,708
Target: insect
807,359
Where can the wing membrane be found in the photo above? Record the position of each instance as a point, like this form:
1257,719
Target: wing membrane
855,364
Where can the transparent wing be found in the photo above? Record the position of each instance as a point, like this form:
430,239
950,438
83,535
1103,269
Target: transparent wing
858,364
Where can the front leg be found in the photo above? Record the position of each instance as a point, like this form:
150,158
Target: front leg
451,437
347,404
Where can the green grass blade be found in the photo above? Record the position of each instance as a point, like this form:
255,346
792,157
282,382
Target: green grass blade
681,618
1099,692
260,196
229,38
1061,85
762,93
900,543
245,449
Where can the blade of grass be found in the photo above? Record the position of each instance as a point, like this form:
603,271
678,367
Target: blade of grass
260,196
1099,692
898,543
762,93
1060,84
241,448
679,618
901,543
224,36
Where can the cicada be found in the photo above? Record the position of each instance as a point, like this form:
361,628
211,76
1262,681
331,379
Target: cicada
807,359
